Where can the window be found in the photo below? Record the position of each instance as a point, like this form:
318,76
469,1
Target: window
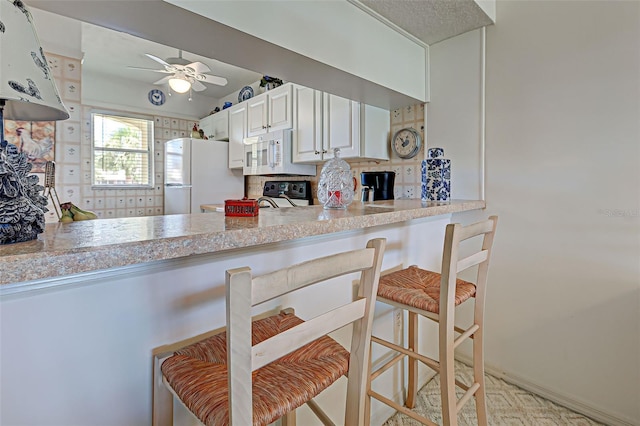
122,150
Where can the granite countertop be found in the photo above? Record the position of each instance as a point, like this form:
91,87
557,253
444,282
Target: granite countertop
71,248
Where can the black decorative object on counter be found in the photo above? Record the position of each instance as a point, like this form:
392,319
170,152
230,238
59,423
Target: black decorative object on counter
22,207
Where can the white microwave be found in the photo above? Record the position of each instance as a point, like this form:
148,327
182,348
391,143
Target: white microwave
270,154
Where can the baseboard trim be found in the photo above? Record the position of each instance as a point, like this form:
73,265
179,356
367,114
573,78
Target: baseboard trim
560,399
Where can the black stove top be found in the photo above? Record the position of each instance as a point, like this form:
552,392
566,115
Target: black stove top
296,190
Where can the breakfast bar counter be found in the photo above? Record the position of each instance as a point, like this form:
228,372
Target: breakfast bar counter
84,307
72,248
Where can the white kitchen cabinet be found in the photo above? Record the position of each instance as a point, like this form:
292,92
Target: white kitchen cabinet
341,126
216,126
272,110
237,133
375,126
357,129
307,125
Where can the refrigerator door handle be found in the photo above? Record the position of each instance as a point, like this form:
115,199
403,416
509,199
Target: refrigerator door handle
176,185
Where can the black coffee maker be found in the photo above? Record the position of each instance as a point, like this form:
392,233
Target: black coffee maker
381,183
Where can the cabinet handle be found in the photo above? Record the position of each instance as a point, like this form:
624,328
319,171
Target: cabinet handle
317,152
324,151
264,127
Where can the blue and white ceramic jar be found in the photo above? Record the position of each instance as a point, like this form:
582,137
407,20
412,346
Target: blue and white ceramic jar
436,176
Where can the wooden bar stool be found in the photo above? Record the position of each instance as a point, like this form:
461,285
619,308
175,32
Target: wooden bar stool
257,371
435,296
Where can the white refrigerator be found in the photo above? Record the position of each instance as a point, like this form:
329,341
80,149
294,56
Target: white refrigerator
196,172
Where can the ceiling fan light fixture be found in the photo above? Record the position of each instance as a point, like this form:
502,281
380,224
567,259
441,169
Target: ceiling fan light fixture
179,85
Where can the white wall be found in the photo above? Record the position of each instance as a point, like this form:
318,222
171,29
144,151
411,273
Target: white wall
454,112
336,33
563,173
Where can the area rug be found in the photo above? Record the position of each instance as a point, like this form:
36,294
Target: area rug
507,405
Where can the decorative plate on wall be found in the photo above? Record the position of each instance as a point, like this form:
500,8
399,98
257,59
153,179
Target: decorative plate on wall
156,97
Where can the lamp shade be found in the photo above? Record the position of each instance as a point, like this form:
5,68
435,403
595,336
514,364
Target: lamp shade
179,85
26,84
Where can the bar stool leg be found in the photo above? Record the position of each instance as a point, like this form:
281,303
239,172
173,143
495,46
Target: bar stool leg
478,377
447,372
289,419
412,387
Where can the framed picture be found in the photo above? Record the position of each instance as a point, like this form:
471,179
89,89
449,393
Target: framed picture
35,138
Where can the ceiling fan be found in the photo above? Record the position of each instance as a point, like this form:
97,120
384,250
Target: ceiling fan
185,75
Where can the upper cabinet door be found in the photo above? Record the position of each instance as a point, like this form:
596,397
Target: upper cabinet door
206,124
220,124
270,111
280,109
341,126
237,133
216,126
257,115
307,125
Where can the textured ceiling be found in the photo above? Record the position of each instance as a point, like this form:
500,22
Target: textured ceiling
431,20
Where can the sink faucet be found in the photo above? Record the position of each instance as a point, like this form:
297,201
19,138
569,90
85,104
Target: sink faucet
288,199
268,200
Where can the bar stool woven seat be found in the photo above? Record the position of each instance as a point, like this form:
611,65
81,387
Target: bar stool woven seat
198,374
263,365
420,288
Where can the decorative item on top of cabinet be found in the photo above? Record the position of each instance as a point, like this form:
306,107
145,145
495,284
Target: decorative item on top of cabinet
270,111
268,83
216,126
245,94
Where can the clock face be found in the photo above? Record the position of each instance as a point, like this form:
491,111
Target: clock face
156,97
406,143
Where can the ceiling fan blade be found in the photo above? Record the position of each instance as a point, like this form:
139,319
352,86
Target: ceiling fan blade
199,67
150,69
163,80
158,60
212,79
197,86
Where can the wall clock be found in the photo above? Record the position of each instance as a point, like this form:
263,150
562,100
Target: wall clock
406,142
156,97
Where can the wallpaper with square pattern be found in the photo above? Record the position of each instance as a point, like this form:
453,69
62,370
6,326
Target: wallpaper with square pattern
73,154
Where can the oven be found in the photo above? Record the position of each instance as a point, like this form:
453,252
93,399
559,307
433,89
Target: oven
284,193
